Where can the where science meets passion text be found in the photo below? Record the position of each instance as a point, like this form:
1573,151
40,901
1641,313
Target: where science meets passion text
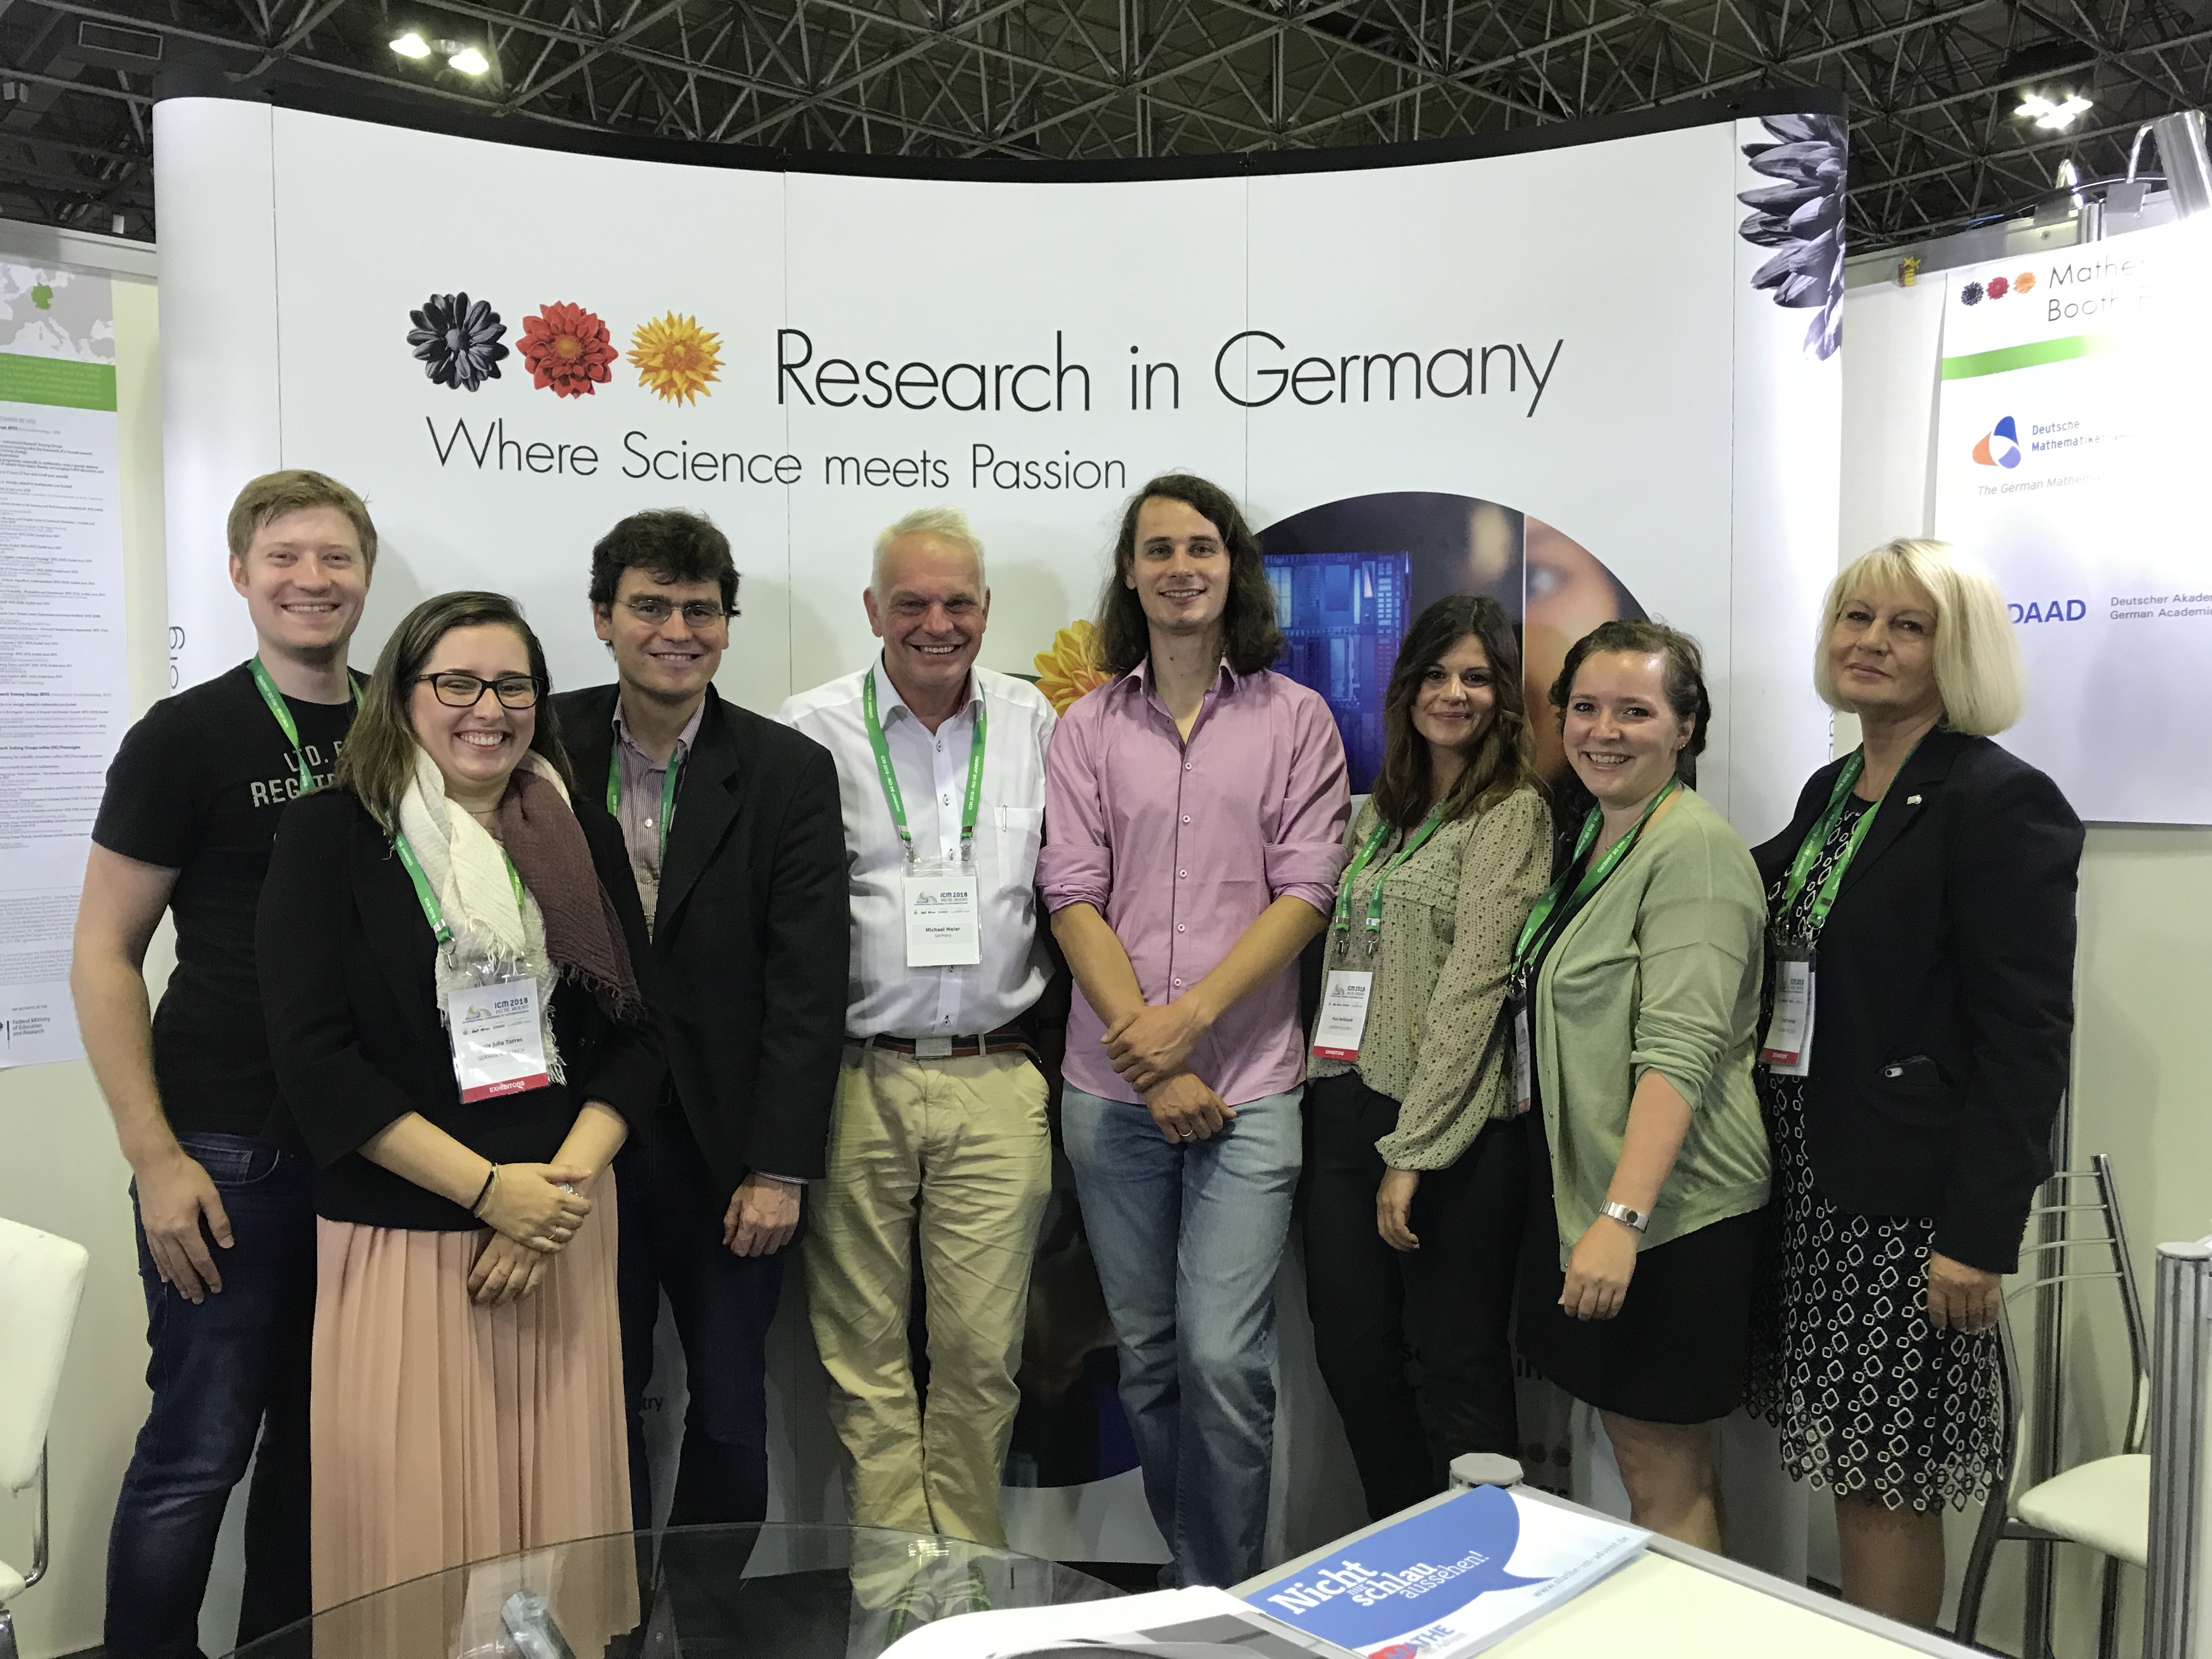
1253,368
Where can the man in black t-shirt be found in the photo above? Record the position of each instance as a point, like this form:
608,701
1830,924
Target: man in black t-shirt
226,1222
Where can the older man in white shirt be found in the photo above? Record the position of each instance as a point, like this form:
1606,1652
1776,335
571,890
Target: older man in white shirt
939,1138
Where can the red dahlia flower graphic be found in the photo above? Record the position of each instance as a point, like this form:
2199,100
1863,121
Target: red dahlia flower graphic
566,349
1998,288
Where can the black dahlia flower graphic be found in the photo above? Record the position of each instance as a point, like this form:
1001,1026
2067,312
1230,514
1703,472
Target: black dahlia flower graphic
1801,217
1972,294
457,340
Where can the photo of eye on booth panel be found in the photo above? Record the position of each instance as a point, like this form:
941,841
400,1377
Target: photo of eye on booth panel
1350,575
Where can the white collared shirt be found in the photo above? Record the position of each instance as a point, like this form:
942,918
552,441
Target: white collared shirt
887,998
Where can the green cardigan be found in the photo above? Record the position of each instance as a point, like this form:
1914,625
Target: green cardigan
1659,971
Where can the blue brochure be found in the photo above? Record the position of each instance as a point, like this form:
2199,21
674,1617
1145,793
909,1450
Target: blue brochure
1452,1579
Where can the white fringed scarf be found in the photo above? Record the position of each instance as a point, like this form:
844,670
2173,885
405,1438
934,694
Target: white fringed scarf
468,871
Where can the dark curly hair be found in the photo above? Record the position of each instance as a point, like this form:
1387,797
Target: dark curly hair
1683,681
670,545
1249,639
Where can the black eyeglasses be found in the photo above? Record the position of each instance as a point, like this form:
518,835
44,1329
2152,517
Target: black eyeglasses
653,609
457,690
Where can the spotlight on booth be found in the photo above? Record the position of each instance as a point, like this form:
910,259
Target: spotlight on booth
2054,115
411,44
469,61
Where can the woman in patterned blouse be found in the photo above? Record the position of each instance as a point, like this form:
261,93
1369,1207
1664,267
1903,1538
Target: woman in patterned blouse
1415,1173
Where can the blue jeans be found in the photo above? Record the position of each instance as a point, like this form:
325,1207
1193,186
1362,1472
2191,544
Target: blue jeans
671,1213
225,1373
1187,1239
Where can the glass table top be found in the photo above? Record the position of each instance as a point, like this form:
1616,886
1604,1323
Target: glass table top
789,1590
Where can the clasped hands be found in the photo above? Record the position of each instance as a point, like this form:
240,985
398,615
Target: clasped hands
532,1213
1148,1049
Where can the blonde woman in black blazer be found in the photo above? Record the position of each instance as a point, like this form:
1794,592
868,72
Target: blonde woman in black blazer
1943,1016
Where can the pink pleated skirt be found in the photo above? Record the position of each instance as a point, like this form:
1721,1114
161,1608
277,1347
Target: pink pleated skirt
446,1433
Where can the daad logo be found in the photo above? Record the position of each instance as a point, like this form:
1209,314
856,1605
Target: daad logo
2001,447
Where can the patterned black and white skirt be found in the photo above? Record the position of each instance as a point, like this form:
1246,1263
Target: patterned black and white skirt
1872,1401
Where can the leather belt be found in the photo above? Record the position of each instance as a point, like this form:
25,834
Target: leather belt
1007,1040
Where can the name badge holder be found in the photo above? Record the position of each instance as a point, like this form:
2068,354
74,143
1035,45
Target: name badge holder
942,903
493,1021
1522,1093
1787,1051
941,900
1347,993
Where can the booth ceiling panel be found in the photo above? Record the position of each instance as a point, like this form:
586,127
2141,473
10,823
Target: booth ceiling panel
1931,85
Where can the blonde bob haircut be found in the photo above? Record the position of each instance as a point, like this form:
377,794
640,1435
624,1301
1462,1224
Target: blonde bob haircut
1978,673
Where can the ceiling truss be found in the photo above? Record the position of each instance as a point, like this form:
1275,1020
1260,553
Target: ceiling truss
1932,86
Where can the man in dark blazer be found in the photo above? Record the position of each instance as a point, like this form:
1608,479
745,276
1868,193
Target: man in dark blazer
736,839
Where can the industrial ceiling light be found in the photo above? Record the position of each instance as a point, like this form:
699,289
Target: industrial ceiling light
470,60
411,44
2053,117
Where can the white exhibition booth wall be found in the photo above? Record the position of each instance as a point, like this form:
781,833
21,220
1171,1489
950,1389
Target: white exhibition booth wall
1667,444
1457,375
1551,367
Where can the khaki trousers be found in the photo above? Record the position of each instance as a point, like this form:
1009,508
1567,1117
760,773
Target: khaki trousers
953,1157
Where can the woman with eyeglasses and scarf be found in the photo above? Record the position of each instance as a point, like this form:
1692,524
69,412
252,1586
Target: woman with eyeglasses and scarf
449,954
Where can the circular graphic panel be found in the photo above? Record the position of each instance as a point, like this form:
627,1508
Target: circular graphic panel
1350,575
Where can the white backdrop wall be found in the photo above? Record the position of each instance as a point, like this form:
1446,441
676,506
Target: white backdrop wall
1624,385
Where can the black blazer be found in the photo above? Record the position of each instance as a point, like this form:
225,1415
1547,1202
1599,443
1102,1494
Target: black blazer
349,991
750,932
1943,1000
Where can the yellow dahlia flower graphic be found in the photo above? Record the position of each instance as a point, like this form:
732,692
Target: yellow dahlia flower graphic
1070,667
675,357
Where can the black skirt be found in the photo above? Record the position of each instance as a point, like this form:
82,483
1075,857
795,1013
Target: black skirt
1679,1351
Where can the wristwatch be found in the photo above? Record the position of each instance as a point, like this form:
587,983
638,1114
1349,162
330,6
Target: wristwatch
1635,1220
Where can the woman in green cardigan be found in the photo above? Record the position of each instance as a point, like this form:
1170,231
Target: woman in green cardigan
1637,984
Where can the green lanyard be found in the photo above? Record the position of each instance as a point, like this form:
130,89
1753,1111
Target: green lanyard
1533,932
889,777
435,912
1808,850
1365,856
274,699
667,789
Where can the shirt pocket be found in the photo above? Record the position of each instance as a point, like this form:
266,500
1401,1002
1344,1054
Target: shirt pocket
1021,833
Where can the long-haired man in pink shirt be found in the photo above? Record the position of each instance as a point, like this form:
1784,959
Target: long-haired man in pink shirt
1194,812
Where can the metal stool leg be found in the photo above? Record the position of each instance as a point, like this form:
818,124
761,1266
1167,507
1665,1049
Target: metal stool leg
2108,1614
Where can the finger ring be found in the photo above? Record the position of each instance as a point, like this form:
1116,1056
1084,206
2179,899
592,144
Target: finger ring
566,1187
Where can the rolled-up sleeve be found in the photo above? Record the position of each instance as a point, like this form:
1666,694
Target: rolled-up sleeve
1307,854
1698,935
1076,865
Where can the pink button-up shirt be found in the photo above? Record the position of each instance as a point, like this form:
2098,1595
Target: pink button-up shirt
1181,846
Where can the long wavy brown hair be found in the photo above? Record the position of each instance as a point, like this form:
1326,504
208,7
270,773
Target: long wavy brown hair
1249,639
1500,760
378,761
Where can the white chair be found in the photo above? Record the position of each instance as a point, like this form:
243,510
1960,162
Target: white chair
2102,1504
41,1283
